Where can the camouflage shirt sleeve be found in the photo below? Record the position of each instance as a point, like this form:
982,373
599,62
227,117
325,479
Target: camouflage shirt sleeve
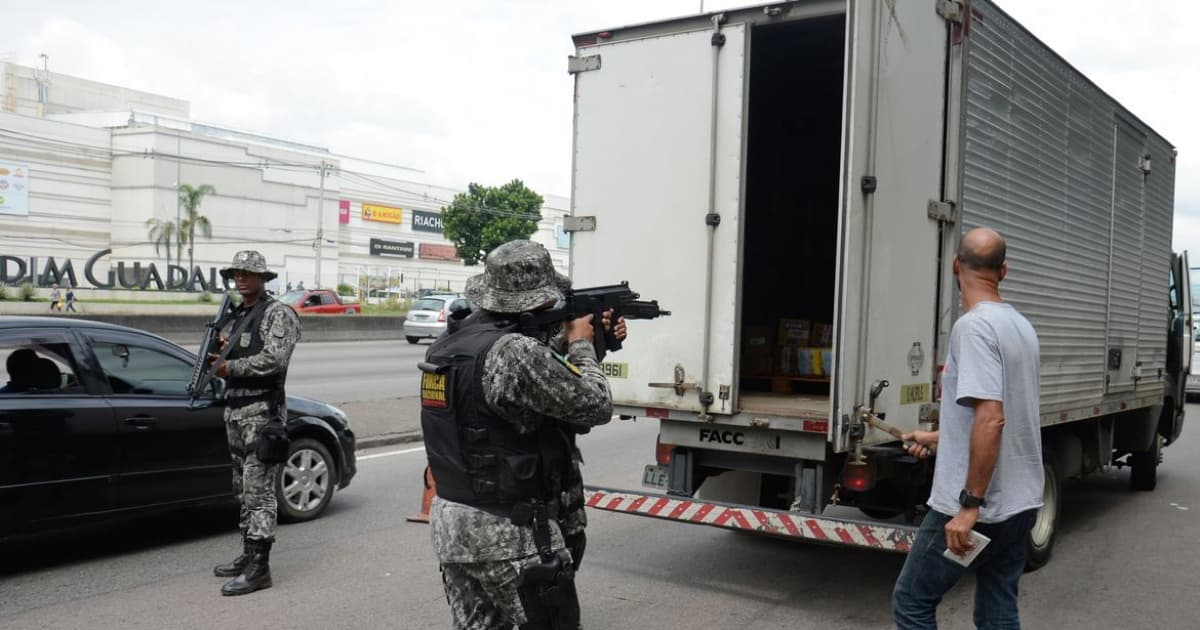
558,342
525,383
280,330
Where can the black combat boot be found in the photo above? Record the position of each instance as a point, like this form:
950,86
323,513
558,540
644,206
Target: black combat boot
235,568
257,574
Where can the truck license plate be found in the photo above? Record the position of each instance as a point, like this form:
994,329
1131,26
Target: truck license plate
655,476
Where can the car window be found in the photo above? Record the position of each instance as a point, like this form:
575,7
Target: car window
292,298
327,298
140,370
33,365
428,304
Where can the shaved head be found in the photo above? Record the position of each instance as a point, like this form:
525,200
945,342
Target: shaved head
982,249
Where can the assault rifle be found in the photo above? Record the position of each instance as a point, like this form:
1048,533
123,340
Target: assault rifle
202,371
594,301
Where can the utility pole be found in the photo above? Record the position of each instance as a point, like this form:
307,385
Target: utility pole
320,226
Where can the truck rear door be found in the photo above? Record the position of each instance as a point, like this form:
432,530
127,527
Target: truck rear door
656,200
892,161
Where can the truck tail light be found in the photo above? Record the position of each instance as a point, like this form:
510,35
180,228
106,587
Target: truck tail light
857,477
442,315
663,452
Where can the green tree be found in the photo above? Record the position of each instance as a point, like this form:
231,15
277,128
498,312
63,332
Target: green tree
163,234
485,216
191,196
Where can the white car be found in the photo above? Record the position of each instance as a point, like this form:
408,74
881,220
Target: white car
427,317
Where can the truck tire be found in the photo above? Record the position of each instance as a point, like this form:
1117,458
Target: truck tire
1040,541
413,340
1143,467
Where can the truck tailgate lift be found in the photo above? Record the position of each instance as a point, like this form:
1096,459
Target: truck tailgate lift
840,531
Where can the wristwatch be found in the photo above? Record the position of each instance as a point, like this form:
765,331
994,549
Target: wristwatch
966,499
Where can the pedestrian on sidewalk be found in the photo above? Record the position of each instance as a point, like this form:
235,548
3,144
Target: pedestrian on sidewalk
497,410
71,299
264,334
55,298
988,474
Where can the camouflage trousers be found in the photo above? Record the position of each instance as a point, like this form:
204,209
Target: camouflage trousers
253,481
483,595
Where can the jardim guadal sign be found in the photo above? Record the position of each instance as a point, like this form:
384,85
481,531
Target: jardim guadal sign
15,270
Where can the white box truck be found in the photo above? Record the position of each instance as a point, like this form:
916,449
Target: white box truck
786,172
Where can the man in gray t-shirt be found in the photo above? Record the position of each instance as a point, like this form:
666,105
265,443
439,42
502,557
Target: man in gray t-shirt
988,474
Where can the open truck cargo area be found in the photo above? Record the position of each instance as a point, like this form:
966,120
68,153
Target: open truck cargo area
793,179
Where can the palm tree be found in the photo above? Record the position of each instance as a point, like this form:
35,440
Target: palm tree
191,196
162,234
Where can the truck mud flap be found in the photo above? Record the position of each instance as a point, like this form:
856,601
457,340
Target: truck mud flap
823,529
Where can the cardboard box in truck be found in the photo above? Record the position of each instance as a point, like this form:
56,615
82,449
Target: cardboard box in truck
895,126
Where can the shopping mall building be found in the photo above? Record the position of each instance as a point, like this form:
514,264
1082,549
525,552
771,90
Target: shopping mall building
84,166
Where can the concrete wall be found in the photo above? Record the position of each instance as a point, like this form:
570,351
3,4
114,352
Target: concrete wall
189,329
19,94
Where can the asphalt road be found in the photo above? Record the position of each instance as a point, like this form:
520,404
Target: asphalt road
1123,560
339,372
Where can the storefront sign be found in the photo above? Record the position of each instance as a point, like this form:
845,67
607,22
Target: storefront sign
15,271
382,214
14,188
396,249
434,251
426,221
343,212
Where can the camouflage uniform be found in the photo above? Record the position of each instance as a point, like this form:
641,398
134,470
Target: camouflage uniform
253,482
256,368
573,520
525,383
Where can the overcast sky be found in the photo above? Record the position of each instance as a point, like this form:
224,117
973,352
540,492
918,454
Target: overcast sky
477,90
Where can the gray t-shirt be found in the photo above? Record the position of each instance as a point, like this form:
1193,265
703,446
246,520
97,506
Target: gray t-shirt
993,356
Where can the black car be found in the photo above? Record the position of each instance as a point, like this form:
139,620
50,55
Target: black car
96,421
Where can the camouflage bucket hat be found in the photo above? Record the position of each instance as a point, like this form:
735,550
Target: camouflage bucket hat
518,276
249,260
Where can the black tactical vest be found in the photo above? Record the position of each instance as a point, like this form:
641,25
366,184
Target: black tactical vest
478,459
249,343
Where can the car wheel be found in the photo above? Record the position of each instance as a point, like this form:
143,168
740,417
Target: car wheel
413,339
305,481
1040,541
1143,467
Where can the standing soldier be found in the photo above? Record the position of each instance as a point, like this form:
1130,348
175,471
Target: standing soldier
256,367
497,407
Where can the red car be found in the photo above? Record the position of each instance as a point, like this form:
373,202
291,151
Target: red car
320,301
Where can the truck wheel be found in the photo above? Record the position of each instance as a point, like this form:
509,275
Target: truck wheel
1040,541
1143,467
413,339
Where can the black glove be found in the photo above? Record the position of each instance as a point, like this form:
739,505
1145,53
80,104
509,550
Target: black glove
576,544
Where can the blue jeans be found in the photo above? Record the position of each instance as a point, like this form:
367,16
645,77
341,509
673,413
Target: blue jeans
927,576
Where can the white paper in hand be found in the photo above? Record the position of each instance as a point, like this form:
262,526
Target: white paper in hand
980,542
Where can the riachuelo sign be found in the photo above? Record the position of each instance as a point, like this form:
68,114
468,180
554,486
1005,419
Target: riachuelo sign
121,275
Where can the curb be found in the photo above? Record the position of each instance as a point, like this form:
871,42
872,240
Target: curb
386,439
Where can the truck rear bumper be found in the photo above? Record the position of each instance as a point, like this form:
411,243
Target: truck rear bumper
839,531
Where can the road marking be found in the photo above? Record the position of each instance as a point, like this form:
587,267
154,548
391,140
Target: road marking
389,453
